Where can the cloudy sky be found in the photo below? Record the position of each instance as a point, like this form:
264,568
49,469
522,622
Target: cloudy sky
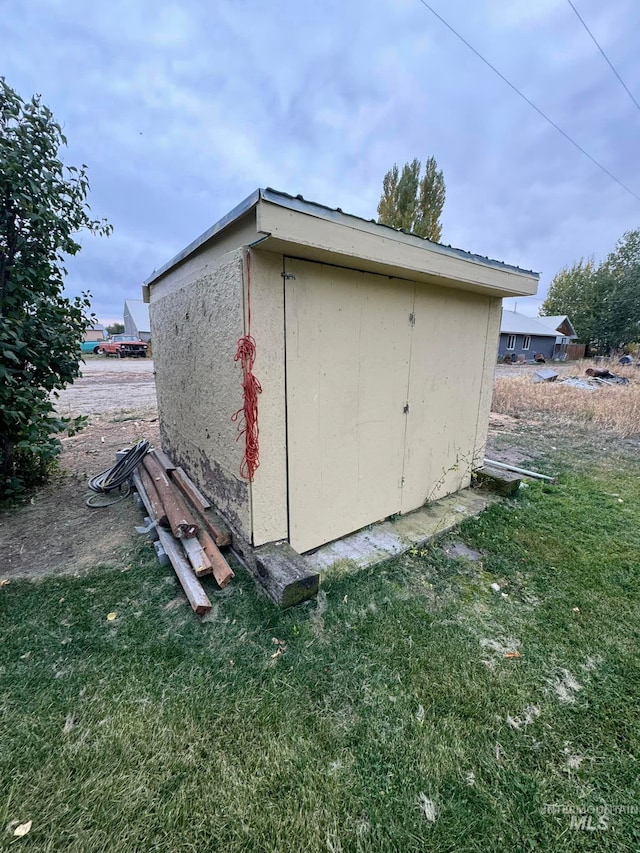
180,110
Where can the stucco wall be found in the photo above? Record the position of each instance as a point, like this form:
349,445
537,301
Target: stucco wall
195,329
539,343
239,233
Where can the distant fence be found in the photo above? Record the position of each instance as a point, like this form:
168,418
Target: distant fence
575,351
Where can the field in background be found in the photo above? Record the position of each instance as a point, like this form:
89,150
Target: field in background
615,408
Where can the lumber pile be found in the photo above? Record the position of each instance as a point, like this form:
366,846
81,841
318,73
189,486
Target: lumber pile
190,532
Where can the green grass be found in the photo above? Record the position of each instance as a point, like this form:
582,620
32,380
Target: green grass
160,732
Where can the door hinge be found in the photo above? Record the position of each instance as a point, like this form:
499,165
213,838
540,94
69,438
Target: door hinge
402,479
405,409
412,319
288,275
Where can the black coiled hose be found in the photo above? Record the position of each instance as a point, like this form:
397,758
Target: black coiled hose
119,475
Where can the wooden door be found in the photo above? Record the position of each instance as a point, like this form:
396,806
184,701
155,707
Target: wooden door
348,339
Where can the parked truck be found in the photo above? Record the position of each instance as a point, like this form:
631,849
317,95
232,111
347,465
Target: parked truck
123,346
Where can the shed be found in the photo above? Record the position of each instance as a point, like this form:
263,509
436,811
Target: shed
375,350
136,319
96,332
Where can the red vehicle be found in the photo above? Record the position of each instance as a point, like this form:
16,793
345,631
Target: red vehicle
123,346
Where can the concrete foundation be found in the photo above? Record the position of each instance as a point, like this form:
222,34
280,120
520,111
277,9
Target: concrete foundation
389,538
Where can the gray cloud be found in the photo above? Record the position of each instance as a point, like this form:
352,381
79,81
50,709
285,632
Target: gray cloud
180,110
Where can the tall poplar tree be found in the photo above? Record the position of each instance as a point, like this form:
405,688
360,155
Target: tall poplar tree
411,202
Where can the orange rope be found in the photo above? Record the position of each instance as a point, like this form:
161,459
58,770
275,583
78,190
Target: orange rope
248,423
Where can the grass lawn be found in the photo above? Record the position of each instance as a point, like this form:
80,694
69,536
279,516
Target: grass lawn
389,719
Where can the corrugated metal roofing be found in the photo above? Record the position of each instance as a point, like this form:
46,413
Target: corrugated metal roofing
312,208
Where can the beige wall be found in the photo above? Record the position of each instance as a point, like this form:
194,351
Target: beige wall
269,487
449,392
195,328
364,245
355,358
348,349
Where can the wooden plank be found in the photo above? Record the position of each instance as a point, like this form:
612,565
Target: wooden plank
197,557
283,573
159,513
137,482
161,457
222,571
504,483
217,528
189,489
181,519
198,598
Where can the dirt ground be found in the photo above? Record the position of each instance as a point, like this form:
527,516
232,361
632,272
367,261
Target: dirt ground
110,384
56,532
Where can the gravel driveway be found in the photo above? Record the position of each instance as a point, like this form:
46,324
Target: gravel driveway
110,384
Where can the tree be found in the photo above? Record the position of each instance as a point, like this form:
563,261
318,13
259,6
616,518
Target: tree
575,291
413,203
602,302
620,285
115,328
42,208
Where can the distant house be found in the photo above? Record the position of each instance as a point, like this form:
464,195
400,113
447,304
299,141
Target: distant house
565,333
522,337
97,332
136,319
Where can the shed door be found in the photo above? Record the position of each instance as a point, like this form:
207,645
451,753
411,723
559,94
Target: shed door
451,343
348,347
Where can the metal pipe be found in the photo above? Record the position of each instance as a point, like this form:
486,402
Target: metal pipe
533,474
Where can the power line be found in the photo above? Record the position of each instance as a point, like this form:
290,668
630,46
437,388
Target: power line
594,40
530,102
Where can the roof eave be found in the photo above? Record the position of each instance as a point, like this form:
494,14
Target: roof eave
227,220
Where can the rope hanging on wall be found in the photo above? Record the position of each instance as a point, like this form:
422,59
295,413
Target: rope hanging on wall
248,423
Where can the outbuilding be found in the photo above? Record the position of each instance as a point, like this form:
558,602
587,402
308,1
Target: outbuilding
136,319
374,351
522,338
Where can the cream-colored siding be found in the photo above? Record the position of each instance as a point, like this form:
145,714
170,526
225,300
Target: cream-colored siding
94,335
385,393
367,246
269,488
202,261
445,392
348,344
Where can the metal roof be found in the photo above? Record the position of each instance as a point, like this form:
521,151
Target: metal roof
519,324
139,314
312,208
555,321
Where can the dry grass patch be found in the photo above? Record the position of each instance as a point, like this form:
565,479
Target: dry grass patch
616,407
